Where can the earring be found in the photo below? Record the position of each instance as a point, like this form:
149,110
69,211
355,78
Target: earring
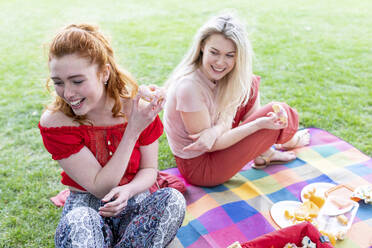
105,83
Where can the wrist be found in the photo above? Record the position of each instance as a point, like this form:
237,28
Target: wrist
257,124
132,131
218,130
130,189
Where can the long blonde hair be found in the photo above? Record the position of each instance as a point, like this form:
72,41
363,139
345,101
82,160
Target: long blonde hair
88,42
234,88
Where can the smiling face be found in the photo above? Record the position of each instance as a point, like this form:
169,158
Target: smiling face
77,82
218,57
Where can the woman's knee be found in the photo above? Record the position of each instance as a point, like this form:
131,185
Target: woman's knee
81,227
173,198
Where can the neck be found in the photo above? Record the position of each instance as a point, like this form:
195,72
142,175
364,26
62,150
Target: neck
102,114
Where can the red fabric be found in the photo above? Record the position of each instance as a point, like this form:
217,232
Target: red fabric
242,110
60,199
292,234
64,141
209,169
166,180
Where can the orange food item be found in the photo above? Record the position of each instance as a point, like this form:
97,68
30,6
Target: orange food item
306,211
331,237
276,108
300,214
309,193
318,200
340,235
311,208
342,219
288,215
280,111
354,198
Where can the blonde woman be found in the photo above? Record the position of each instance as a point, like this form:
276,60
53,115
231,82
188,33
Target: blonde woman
213,118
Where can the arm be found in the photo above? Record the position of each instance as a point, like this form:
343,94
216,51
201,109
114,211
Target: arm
143,180
217,138
213,138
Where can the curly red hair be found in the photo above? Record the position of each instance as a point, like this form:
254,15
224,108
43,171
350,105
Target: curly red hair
88,42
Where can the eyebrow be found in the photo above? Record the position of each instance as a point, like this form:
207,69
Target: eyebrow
70,77
219,50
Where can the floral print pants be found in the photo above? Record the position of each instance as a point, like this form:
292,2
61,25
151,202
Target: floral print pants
149,220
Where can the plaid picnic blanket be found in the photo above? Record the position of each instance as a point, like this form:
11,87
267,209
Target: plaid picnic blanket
239,210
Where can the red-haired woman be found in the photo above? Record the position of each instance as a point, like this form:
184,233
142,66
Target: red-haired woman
105,140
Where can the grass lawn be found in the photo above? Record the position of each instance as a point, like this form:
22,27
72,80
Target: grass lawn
314,55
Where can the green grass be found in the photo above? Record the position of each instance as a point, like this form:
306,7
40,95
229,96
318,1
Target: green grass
314,55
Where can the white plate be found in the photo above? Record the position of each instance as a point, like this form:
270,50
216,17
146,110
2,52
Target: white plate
277,212
330,222
320,188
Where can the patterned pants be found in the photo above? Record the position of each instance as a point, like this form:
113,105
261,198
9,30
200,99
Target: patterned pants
149,220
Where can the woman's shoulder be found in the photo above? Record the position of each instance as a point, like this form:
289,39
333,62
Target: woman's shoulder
189,83
55,119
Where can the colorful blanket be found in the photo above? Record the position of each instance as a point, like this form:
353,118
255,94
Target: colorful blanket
239,210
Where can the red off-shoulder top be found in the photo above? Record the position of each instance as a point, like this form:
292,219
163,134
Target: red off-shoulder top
61,142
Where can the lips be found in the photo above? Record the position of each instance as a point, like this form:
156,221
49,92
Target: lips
218,70
76,104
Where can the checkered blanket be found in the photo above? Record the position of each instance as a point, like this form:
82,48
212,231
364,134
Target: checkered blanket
239,209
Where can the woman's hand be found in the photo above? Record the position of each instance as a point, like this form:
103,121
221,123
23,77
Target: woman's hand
119,196
203,141
271,121
144,112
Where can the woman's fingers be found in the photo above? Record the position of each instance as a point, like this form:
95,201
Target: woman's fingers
113,210
114,207
153,108
192,147
194,136
109,195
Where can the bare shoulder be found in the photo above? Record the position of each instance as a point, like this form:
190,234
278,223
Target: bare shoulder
55,119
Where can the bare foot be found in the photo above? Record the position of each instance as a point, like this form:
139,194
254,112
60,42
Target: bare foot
300,139
271,157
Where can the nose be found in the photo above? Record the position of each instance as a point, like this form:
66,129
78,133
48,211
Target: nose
220,60
68,91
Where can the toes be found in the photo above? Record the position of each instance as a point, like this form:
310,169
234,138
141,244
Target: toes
290,155
304,137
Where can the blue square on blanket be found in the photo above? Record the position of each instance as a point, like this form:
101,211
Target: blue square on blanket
295,163
218,188
364,211
321,179
239,210
326,151
359,169
283,194
252,174
191,232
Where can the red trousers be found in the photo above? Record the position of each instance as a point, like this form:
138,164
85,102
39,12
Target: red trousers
214,168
